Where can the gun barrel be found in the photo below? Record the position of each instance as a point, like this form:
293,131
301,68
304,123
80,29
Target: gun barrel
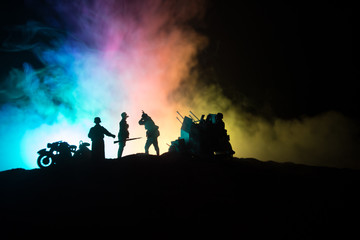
128,139
178,120
180,114
194,115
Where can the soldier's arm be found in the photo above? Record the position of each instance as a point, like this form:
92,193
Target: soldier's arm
90,133
107,133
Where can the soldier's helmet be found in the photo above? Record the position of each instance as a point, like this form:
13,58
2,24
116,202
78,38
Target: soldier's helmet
97,120
219,116
144,115
124,115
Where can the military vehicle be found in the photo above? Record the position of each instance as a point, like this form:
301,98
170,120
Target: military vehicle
62,153
202,137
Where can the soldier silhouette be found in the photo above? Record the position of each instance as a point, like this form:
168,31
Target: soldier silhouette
123,133
96,134
152,133
223,140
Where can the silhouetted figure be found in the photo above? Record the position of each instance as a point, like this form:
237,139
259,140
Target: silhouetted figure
96,134
152,133
219,123
123,133
221,133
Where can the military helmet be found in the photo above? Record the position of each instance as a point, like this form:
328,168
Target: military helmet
124,115
144,115
97,120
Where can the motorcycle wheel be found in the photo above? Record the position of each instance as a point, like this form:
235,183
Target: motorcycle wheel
45,161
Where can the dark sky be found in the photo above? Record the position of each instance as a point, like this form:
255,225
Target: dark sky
289,58
286,58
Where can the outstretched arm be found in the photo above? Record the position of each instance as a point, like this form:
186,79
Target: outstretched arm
107,133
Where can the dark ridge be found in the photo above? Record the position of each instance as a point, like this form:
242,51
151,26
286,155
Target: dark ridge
243,196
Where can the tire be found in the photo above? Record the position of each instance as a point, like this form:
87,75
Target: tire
45,161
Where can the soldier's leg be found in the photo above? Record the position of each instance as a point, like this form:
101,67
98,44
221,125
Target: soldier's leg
147,145
97,150
102,146
121,149
156,146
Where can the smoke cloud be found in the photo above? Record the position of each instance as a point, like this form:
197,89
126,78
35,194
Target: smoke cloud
327,139
101,58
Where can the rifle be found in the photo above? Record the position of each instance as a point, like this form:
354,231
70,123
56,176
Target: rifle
128,139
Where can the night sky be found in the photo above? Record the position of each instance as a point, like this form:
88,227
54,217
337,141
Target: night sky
283,67
293,57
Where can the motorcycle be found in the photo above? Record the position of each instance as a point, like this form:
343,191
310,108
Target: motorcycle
62,153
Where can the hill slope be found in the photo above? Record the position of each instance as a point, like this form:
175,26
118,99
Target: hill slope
242,195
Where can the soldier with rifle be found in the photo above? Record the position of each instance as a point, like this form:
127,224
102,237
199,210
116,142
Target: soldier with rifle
152,132
123,133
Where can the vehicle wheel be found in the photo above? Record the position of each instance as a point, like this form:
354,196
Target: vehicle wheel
44,161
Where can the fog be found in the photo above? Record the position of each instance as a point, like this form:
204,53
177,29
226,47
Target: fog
101,58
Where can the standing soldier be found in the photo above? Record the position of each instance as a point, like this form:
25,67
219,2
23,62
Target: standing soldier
223,140
96,134
152,133
123,133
